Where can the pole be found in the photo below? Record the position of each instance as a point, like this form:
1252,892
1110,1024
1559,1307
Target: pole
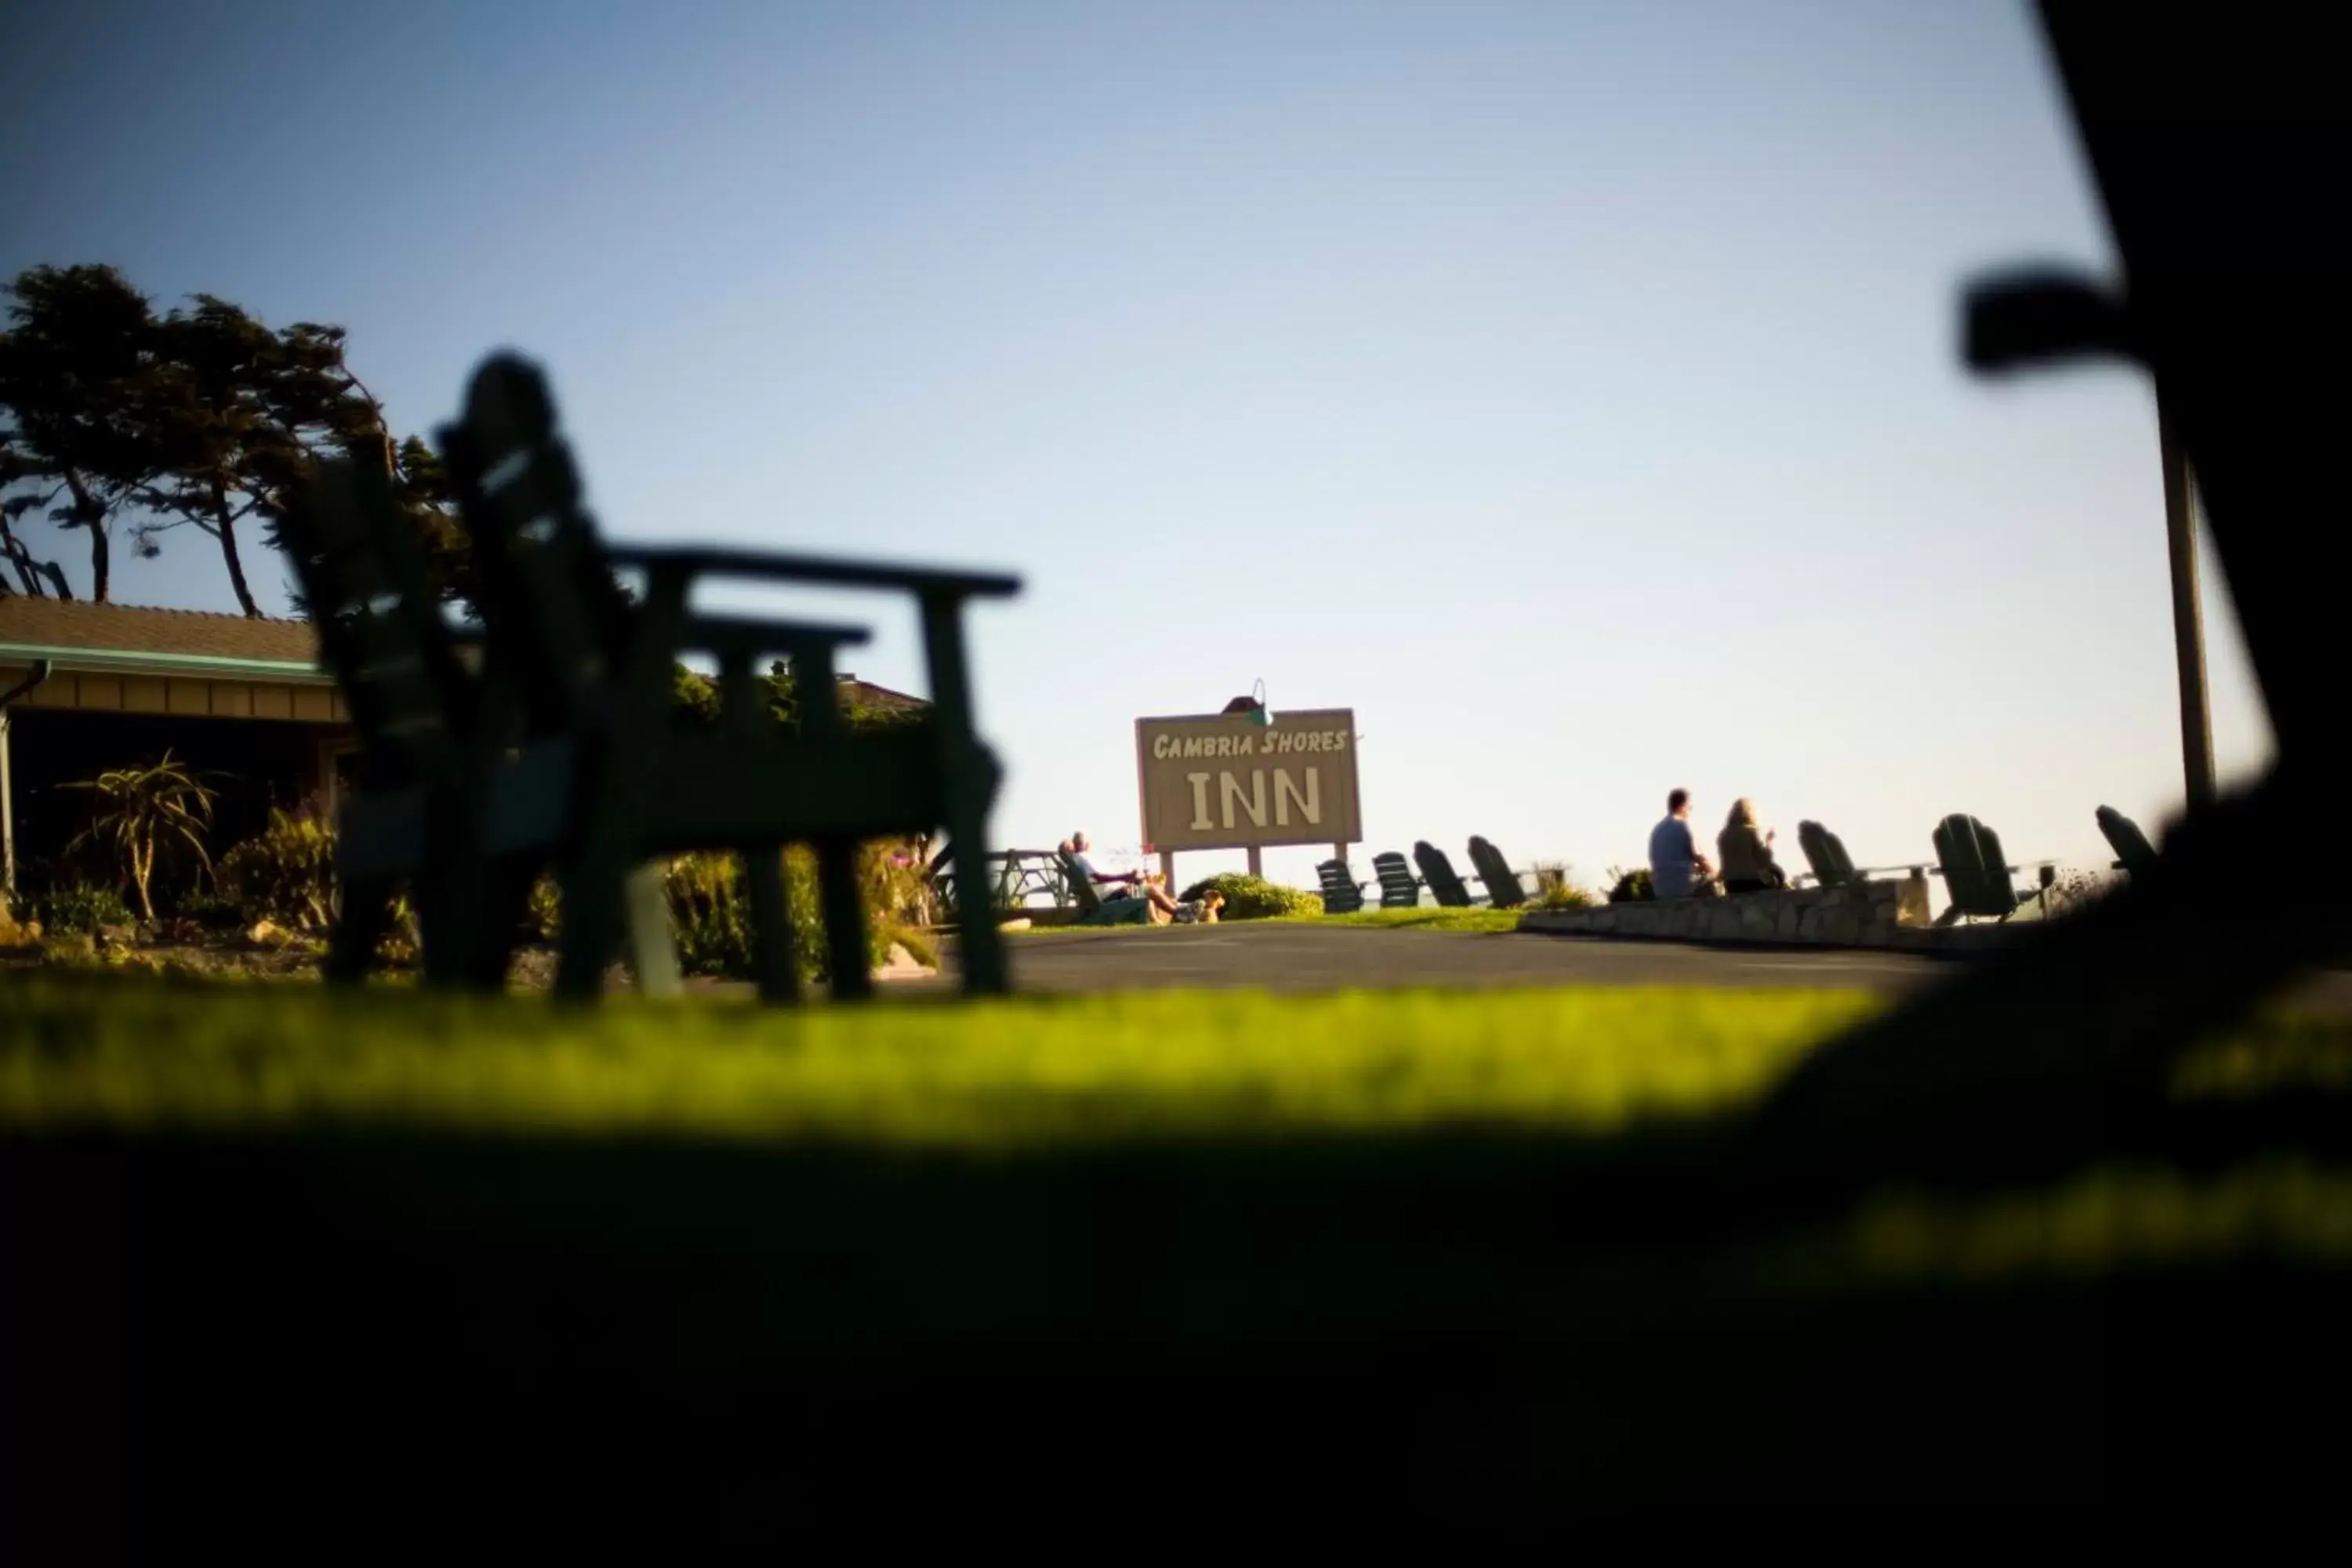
1168,871
2187,619
1257,861
7,820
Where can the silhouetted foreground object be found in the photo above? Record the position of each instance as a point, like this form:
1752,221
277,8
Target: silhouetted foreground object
1502,883
2134,853
1436,870
1976,876
2217,149
561,753
598,670
1398,890
467,791
1342,894
428,730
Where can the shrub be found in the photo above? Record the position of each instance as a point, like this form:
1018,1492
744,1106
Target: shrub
212,911
82,907
2075,891
542,920
1249,897
1631,886
1556,887
710,912
286,875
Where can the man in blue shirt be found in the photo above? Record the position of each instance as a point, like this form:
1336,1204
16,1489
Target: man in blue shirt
1676,867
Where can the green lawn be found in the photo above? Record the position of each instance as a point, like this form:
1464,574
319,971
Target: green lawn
1023,1073
1056,1076
1308,1234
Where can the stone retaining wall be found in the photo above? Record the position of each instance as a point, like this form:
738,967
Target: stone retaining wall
1861,914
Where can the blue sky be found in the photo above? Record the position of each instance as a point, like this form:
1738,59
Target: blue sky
1568,389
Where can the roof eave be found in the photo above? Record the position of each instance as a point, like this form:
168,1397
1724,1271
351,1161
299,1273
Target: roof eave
110,661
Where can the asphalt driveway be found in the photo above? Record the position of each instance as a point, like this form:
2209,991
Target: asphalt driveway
1305,957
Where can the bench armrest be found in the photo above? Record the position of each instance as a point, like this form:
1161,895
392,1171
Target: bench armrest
712,560
751,636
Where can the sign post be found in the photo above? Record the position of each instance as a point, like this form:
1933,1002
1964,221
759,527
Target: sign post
1228,781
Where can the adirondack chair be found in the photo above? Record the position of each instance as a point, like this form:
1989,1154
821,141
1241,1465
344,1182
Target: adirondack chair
2134,853
596,670
1437,871
1120,909
1398,889
1342,894
454,797
1976,877
1084,894
1502,883
1831,866
1826,853
422,717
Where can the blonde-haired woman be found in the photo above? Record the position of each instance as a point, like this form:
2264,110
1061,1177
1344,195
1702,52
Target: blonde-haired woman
1747,853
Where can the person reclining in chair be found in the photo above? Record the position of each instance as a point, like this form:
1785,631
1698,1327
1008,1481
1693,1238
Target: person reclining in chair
1134,888
1747,864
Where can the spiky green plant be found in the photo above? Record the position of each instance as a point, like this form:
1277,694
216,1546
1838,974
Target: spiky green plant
157,809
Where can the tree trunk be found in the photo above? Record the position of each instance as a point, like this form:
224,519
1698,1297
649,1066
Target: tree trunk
226,534
87,513
29,570
142,866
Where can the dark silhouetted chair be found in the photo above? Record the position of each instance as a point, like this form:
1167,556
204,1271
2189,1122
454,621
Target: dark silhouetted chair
452,800
625,784
2134,854
1504,891
1438,873
1976,876
1398,889
1826,853
1342,894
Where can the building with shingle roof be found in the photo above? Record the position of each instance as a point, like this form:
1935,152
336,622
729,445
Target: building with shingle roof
85,687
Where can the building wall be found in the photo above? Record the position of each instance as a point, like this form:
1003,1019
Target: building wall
181,695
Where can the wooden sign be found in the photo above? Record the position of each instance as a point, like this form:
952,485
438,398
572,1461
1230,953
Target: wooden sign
1217,781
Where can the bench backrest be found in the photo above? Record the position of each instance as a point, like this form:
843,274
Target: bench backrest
1826,853
1398,888
1975,874
2133,850
1341,896
549,602
362,578
1438,872
1503,889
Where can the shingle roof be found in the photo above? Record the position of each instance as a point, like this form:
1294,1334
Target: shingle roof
201,634
138,628
860,693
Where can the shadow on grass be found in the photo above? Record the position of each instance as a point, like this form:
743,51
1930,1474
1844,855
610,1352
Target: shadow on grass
1500,1319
